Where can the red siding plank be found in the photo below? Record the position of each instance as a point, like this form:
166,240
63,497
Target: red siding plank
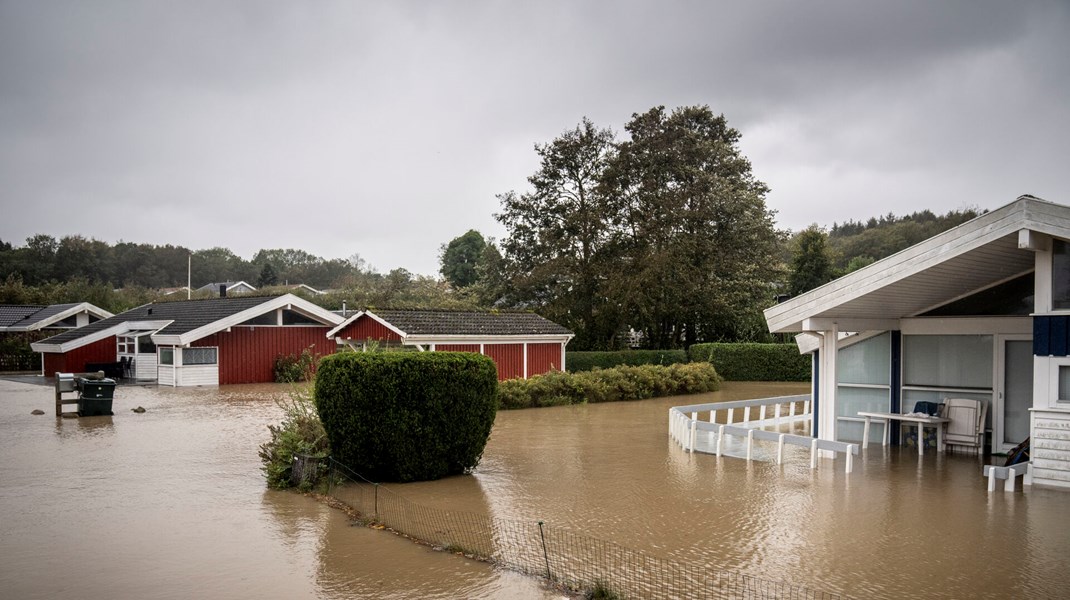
75,361
247,354
367,328
543,358
509,358
457,348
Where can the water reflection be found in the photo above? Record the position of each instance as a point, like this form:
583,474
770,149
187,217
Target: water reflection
171,503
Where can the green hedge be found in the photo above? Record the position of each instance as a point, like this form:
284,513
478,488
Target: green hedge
585,361
400,416
755,362
608,385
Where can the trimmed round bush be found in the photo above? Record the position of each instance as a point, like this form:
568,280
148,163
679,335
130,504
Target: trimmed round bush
407,416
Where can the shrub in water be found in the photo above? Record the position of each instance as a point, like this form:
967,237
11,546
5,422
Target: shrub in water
608,385
407,416
291,368
755,362
587,360
300,432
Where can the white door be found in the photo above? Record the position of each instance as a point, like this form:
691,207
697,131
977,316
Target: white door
1014,397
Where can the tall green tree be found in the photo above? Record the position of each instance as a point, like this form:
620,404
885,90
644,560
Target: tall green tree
811,263
460,258
698,244
560,234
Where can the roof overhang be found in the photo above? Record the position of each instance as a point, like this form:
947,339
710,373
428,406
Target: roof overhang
286,301
984,252
85,307
518,338
117,329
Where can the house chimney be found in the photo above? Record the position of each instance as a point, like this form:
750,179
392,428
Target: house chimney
343,308
222,290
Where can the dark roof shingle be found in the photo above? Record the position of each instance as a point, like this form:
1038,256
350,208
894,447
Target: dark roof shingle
186,315
449,322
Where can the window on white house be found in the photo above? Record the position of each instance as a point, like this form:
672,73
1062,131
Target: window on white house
167,356
1060,275
198,356
1064,383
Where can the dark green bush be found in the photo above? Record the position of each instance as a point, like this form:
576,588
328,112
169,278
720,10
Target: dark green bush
608,385
585,361
292,368
300,432
755,362
407,416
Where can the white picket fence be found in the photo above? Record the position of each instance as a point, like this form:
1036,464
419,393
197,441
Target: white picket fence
685,424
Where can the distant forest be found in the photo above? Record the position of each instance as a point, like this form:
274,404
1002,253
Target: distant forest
117,277
883,236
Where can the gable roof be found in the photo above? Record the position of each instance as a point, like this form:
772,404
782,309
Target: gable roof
180,323
976,255
31,317
13,313
214,287
414,325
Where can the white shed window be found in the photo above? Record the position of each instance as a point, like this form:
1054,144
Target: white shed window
198,356
167,356
1064,383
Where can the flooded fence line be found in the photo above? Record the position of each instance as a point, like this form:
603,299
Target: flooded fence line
558,554
685,426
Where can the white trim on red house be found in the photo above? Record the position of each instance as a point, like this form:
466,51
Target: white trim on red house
85,307
287,301
370,314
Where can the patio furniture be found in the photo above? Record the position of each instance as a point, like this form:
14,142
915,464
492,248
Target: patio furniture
922,421
966,422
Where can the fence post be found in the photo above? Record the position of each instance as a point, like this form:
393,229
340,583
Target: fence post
545,554
780,449
850,461
791,409
761,413
746,414
720,439
776,414
813,454
750,442
691,445
731,416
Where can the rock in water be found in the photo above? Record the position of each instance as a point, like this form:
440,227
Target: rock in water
139,409
37,411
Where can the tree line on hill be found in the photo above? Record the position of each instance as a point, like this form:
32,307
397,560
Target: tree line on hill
660,239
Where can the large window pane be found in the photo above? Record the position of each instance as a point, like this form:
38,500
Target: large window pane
953,361
198,356
1060,275
867,362
1064,383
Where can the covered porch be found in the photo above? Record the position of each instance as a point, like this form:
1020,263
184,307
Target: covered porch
977,313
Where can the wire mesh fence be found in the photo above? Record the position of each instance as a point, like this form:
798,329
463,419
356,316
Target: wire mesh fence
564,557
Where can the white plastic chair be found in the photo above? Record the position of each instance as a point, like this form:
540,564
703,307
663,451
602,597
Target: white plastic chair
966,427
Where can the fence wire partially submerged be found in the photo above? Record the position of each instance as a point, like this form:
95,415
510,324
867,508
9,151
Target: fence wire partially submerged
563,557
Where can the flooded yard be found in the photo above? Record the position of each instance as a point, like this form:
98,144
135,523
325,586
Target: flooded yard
171,503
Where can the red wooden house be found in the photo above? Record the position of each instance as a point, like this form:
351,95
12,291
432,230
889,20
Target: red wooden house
521,344
196,342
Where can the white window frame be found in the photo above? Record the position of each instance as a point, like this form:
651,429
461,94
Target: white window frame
215,356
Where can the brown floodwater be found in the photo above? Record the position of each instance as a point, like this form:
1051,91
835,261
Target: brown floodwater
171,503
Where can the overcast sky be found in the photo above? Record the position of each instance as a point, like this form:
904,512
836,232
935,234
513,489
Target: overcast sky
387,128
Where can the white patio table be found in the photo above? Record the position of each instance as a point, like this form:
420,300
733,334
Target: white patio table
922,421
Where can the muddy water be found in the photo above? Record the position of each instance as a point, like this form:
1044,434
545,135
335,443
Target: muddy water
171,503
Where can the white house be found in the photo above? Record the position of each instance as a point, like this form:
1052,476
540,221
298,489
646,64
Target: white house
980,311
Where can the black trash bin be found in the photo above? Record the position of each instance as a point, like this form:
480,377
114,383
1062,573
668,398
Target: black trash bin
95,396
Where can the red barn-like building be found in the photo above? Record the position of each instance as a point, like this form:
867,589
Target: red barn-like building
521,344
196,342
